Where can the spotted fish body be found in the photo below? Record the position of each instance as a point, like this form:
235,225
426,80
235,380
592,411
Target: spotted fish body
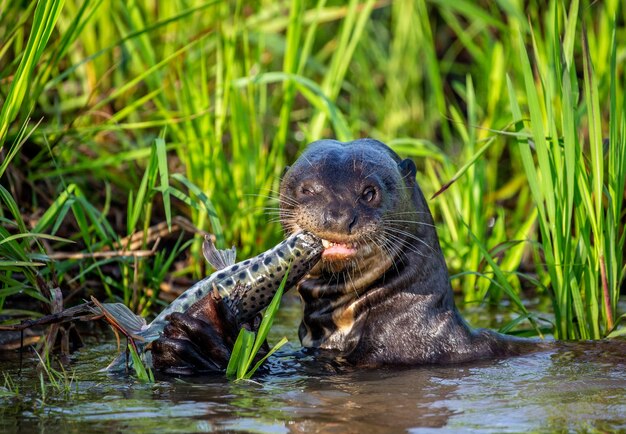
246,287
249,286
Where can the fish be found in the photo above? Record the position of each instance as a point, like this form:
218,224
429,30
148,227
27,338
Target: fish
246,287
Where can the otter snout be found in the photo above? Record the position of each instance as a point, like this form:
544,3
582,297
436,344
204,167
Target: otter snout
339,220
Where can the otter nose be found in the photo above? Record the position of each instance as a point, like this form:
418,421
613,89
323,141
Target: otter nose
340,220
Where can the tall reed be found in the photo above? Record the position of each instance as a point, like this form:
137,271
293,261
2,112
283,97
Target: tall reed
576,182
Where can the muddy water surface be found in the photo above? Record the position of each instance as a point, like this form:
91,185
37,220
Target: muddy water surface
574,387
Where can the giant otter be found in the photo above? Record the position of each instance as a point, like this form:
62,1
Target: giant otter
381,293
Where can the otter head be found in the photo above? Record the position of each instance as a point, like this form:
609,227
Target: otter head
359,197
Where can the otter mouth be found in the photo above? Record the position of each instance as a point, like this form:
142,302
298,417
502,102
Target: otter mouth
334,251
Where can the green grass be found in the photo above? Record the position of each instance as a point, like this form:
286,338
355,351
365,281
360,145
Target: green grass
144,374
248,343
117,116
53,382
9,389
578,191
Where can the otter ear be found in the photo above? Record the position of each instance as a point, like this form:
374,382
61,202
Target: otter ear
282,175
408,170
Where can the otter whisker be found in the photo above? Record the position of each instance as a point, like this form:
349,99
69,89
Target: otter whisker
281,202
406,243
277,196
281,212
408,248
401,232
278,200
385,248
278,209
275,209
352,284
274,220
395,251
288,201
395,213
409,222
264,196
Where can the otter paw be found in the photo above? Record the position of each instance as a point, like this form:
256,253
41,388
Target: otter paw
191,345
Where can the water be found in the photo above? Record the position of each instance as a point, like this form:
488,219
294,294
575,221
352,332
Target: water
573,387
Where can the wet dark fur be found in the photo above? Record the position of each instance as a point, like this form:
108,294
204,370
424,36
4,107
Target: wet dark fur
394,305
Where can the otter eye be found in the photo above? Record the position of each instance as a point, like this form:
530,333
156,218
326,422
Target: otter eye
307,190
368,194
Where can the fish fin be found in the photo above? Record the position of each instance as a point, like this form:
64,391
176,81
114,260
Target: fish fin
118,364
122,319
218,259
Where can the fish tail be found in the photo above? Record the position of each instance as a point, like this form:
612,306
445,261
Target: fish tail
121,318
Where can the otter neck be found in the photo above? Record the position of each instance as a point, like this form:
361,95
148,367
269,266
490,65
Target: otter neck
335,302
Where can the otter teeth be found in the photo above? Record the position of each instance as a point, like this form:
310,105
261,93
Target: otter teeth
338,251
328,244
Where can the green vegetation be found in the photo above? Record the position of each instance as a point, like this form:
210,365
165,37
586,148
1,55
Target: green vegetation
9,389
578,192
120,116
54,382
248,343
142,373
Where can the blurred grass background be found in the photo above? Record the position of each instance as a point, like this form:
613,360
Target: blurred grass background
123,121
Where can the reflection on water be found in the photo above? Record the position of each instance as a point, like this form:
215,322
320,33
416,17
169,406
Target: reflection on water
573,387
